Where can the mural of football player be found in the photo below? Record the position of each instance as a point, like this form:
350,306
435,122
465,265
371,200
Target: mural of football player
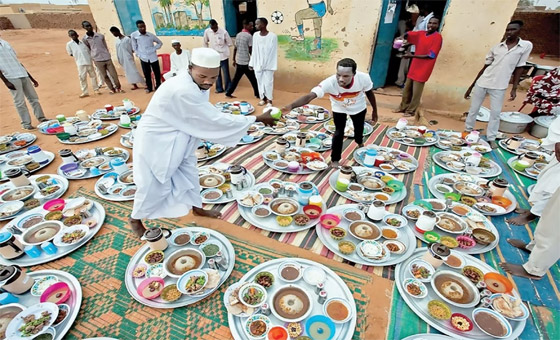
316,11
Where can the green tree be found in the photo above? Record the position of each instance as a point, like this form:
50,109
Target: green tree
198,12
166,6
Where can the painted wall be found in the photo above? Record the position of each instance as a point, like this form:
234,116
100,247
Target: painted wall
467,37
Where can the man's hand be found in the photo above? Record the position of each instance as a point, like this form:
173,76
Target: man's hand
10,85
513,94
408,55
468,93
374,117
234,63
266,118
251,68
286,109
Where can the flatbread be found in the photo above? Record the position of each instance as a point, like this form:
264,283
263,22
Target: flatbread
213,278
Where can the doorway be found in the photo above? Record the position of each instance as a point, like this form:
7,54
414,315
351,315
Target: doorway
128,12
235,11
385,64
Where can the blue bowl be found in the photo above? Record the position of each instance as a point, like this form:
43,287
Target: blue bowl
69,167
324,320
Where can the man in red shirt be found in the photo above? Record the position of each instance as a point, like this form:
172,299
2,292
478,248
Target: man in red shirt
428,43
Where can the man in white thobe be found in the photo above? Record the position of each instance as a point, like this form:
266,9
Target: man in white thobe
125,56
545,201
264,60
176,119
77,49
180,60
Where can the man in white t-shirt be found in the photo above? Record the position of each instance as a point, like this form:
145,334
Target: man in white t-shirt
180,60
347,90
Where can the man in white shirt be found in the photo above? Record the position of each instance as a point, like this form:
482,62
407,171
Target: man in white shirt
264,60
125,56
503,60
20,83
347,90
219,40
80,52
176,119
180,60
145,45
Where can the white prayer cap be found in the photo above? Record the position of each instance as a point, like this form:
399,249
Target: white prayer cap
205,57
175,41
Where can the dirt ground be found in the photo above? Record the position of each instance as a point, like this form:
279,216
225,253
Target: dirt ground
44,55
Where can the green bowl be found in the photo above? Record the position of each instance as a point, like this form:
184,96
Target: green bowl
519,166
454,196
431,236
424,204
63,136
395,185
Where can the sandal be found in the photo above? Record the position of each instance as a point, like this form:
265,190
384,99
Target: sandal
262,103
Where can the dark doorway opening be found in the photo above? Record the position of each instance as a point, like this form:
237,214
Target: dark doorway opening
235,11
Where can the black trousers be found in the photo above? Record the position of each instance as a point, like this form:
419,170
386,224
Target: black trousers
241,70
340,124
147,68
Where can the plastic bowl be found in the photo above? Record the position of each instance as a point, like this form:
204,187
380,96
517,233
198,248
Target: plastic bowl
63,136
501,201
54,205
395,185
312,211
329,221
61,297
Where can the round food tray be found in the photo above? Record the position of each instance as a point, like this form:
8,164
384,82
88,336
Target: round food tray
291,137
524,173
290,126
358,157
302,169
481,146
125,141
308,118
4,166
224,107
185,300
223,200
392,130
97,213
114,196
527,145
207,158
29,138
420,306
113,126
329,126
493,171
405,236
88,173
334,285
102,114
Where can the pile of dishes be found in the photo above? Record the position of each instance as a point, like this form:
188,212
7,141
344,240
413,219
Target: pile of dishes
53,126
347,232
92,162
223,183
529,164
453,140
45,304
463,298
309,114
17,200
208,150
86,132
389,160
297,161
179,268
282,207
459,227
22,160
520,145
254,134
281,127
467,161
115,113
491,198
313,140
15,141
51,231
291,298
349,129
413,136
364,185
116,187
236,108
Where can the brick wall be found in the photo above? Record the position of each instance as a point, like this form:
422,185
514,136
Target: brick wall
542,28
6,24
59,20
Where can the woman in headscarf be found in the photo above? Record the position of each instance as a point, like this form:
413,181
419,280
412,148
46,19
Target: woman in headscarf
544,94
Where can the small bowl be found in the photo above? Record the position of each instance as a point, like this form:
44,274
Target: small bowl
498,316
395,184
411,207
173,238
352,210
424,264
209,191
61,291
154,252
292,264
146,282
184,279
62,307
449,242
253,286
459,315
511,298
329,221
483,237
312,211
489,277
208,243
343,302
397,217
431,236
416,282
139,271
54,205
260,207
443,189
386,167
501,201
390,229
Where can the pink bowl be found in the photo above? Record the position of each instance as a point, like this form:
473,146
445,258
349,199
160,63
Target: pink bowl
145,284
329,221
56,289
53,205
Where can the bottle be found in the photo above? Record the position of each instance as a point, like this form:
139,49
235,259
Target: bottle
37,154
16,176
125,119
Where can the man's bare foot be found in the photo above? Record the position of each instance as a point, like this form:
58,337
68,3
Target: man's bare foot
517,270
335,164
206,213
230,96
519,210
137,226
519,244
134,87
522,219
397,111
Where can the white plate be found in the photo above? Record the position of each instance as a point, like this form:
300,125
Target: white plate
12,331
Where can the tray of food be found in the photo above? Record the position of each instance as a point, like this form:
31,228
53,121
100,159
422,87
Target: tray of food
309,114
389,160
413,136
16,141
116,187
457,227
291,298
51,296
53,230
296,161
282,207
222,183
208,150
467,162
115,113
347,232
519,145
91,131
15,201
20,159
127,140
364,185
237,108
254,134
92,162
349,129
491,198
313,140
453,140
466,300
281,127
180,268
528,169
53,126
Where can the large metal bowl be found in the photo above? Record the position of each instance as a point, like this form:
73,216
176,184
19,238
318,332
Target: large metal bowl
39,226
473,291
275,203
179,253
